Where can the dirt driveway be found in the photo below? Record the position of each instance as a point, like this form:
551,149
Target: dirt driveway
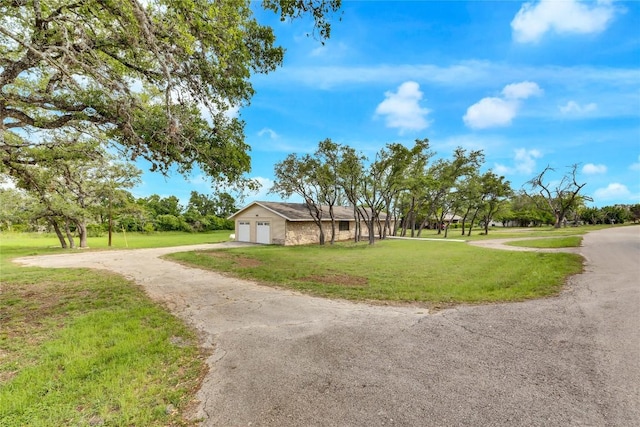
285,359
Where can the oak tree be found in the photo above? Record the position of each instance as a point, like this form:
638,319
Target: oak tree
158,77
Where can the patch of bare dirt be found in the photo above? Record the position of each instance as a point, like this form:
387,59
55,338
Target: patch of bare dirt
239,261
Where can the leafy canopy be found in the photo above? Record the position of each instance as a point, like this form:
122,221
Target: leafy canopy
157,77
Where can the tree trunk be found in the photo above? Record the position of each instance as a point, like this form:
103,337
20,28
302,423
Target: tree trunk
558,217
82,232
72,243
356,232
412,218
110,222
423,224
372,233
473,220
322,237
333,225
56,228
464,220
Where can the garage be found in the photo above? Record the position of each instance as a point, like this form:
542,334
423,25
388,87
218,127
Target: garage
244,231
263,232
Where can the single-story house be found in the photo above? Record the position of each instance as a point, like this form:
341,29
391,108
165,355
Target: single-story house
291,224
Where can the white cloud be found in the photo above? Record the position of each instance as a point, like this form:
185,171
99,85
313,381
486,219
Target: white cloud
265,185
533,20
500,169
330,50
591,169
402,108
635,166
492,111
522,90
574,108
612,191
266,131
524,162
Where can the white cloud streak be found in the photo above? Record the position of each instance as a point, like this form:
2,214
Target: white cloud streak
464,74
270,132
524,162
575,109
534,20
592,169
522,90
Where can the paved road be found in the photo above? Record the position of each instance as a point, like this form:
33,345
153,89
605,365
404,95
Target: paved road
284,359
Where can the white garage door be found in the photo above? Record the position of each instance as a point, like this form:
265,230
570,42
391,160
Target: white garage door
244,231
263,232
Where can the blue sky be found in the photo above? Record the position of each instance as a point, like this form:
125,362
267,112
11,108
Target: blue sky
532,84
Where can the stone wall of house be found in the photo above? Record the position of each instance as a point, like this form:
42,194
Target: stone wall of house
301,233
305,233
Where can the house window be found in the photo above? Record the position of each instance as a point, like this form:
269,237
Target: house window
343,226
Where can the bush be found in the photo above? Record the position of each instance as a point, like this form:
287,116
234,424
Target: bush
172,223
96,230
217,223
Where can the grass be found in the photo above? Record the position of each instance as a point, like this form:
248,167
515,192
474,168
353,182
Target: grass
119,240
431,272
515,232
81,347
557,242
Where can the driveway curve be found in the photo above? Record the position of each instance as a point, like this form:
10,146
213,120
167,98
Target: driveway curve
281,358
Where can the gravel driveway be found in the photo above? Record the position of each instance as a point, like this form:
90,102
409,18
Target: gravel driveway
285,359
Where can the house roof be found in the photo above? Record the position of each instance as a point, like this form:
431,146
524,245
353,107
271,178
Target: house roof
300,212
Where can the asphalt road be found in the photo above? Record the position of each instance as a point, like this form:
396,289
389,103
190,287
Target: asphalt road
280,358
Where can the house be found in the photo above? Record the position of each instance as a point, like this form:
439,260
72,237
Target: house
290,224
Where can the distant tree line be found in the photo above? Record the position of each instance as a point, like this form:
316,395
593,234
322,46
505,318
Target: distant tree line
76,188
401,191
22,211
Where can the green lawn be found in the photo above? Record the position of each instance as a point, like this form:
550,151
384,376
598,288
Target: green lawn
81,347
430,272
119,240
515,232
556,242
